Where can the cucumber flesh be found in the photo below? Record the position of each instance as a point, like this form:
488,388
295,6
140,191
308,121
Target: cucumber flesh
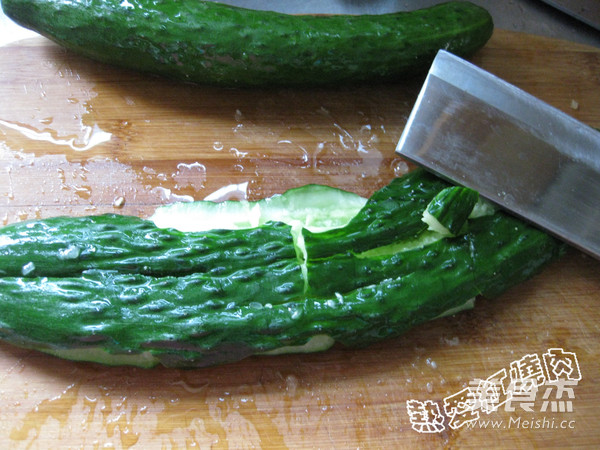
317,343
314,207
100,355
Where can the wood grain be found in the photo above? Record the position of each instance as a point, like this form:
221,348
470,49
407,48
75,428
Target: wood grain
78,137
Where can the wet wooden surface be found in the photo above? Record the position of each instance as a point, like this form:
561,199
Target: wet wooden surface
78,137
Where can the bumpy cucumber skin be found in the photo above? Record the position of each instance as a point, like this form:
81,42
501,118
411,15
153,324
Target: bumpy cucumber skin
497,252
62,246
133,313
171,318
208,42
355,298
445,204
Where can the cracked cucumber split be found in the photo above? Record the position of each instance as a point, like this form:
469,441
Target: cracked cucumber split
213,43
122,290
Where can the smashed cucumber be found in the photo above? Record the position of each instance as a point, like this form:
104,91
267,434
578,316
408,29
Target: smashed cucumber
60,247
302,294
441,212
312,206
214,43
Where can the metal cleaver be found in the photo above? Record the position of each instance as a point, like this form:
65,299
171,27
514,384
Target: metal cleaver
587,11
479,131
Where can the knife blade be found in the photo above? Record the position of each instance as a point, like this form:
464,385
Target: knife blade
586,11
477,130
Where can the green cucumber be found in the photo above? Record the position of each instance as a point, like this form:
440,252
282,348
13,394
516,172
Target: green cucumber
209,42
292,301
393,213
441,213
62,246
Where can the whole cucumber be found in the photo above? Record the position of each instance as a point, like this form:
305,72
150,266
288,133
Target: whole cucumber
213,43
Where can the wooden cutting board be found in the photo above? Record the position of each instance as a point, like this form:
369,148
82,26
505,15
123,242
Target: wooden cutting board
78,137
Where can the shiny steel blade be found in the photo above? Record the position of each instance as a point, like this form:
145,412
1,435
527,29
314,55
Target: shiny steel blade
587,11
479,131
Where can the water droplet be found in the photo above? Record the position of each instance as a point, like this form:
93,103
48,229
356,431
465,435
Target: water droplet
400,168
27,269
291,385
452,342
238,153
85,192
71,252
190,175
118,202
